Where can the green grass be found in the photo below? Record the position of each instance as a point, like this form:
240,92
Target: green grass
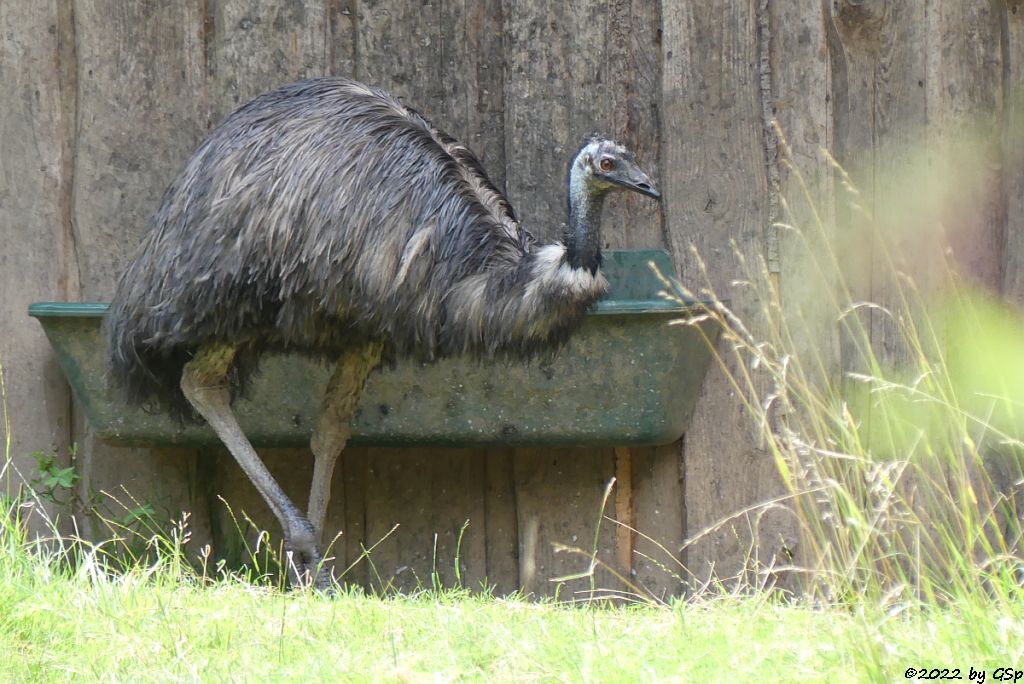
164,624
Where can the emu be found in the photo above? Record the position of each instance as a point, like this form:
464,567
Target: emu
327,218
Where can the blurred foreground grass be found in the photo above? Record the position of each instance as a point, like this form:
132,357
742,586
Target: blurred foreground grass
883,372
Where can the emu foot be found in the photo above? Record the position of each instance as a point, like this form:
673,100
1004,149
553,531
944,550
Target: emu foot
305,563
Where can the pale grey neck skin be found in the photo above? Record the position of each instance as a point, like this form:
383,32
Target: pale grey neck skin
601,165
582,235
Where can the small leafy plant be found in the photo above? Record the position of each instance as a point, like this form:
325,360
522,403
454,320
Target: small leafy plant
55,483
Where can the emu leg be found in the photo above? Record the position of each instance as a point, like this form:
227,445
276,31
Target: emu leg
333,428
204,383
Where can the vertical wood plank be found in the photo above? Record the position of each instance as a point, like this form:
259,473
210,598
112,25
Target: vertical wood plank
880,70
559,502
144,62
659,516
443,58
538,97
853,48
244,521
898,118
801,79
970,109
399,47
474,80
884,72
353,492
36,127
716,194
797,45
634,118
634,66
964,92
430,494
573,69
340,48
502,538
555,94
624,507
660,520
1013,152
258,46
538,142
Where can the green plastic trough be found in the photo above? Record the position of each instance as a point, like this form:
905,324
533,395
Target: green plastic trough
626,378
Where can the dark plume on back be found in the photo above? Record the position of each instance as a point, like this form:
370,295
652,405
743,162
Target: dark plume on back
323,214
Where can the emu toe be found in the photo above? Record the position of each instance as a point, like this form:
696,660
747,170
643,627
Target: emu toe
305,562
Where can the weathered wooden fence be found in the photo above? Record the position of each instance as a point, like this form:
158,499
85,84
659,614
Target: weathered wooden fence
101,101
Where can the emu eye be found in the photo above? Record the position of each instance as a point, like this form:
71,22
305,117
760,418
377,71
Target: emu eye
607,163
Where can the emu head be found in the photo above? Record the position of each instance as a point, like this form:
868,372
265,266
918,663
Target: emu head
602,165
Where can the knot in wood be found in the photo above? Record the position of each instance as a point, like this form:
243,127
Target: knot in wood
859,19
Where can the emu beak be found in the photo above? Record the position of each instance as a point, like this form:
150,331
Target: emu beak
634,179
644,187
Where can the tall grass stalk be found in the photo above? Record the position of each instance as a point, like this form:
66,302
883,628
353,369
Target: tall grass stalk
901,455
5,468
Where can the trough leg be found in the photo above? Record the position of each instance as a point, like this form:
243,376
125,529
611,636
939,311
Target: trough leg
333,426
204,383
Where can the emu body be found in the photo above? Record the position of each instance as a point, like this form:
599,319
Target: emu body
327,218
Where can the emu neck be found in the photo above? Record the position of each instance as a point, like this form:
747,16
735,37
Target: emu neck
582,235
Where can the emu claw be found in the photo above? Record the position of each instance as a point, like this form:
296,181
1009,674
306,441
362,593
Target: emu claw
309,571
306,567
307,575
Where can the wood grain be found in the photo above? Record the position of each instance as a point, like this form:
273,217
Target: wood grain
801,76
37,130
257,46
353,467
633,54
964,92
250,48
431,494
854,44
1013,153
660,517
502,536
555,95
140,111
443,59
809,265
623,514
559,495
718,209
